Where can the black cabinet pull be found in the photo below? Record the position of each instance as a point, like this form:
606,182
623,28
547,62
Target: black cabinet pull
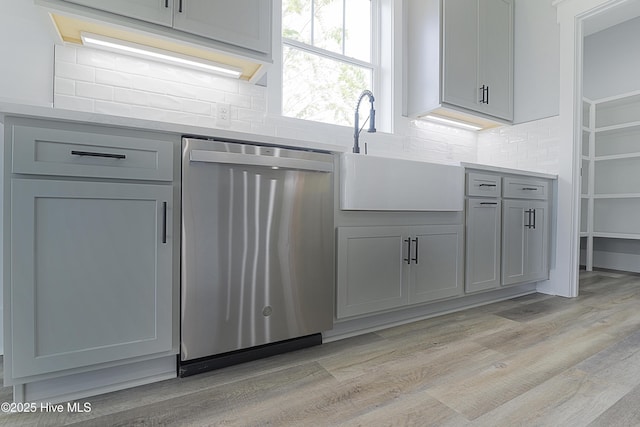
416,258
164,222
482,91
97,154
528,212
487,99
488,185
408,258
166,3
488,203
534,218
529,189
180,6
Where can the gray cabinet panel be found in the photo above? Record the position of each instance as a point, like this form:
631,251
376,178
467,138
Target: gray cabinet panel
496,56
460,53
478,56
156,11
483,233
371,272
377,271
524,241
513,241
40,147
91,278
245,23
437,271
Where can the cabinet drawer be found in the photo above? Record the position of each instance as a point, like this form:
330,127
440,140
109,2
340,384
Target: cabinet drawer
479,184
525,188
51,151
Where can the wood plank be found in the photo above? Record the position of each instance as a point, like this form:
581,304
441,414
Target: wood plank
534,360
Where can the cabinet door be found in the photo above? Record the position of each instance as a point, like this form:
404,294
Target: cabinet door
538,242
525,241
244,23
460,54
514,237
155,11
371,271
483,244
436,262
495,56
91,273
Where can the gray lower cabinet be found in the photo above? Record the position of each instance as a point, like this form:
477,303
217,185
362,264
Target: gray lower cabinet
91,273
372,275
436,269
525,241
483,231
385,267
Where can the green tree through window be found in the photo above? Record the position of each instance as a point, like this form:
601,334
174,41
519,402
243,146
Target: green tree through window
327,58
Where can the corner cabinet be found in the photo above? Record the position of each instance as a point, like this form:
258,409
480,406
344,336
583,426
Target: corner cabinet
507,229
382,268
460,57
90,249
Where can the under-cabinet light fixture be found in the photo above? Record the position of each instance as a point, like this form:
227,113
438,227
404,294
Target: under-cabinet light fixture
174,58
452,122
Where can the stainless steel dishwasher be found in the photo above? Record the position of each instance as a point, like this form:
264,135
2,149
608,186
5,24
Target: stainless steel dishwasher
257,251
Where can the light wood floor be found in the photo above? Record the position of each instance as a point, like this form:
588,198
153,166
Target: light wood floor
530,361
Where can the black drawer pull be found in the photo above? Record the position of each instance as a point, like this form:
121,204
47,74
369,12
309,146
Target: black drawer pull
95,154
529,189
416,258
488,185
488,203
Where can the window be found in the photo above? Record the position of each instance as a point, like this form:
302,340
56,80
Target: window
328,57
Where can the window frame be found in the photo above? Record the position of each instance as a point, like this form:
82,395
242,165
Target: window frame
275,79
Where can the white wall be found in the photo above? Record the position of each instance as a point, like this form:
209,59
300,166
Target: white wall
530,146
612,60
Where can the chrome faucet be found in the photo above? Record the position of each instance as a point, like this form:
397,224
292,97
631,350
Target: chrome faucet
371,118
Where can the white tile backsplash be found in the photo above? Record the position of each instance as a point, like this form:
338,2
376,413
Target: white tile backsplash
531,146
103,82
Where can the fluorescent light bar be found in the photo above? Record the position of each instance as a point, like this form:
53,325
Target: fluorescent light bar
452,122
121,46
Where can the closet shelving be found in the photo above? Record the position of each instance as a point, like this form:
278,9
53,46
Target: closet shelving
610,169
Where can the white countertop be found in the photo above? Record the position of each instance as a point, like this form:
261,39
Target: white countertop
42,112
497,169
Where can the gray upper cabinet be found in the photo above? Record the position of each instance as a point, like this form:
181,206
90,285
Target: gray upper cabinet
460,57
155,11
246,23
242,23
478,56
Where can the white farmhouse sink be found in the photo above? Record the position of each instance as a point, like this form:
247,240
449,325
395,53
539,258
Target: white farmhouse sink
381,184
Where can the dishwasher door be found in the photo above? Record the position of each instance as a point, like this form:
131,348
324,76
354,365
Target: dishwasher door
257,246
